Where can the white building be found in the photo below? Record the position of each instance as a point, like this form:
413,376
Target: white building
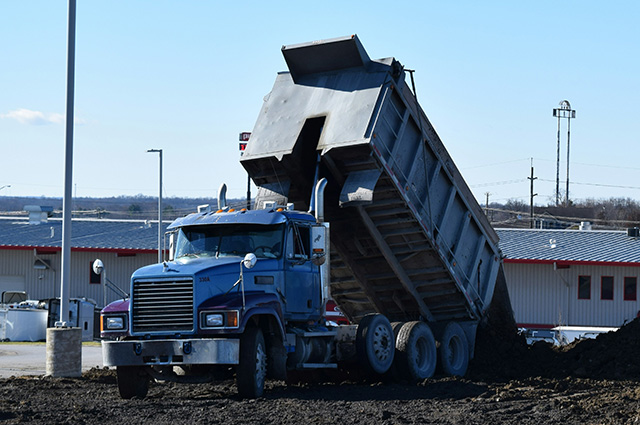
554,277
30,255
572,277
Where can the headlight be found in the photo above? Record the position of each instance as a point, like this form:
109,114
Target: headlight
114,323
219,319
213,319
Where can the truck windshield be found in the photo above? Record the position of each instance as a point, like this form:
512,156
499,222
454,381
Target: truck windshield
265,241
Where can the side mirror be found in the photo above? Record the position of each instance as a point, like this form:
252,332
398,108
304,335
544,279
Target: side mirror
172,246
250,260
318,245
318,259
98,267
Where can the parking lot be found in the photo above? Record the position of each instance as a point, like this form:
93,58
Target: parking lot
29,358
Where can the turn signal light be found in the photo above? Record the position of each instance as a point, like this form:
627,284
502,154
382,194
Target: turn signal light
232,319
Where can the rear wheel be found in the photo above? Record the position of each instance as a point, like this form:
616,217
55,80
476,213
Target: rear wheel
454,350
375,343
252,369
416,354
396,326
133,381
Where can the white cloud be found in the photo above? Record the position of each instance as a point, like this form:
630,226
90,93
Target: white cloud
56,118
29,117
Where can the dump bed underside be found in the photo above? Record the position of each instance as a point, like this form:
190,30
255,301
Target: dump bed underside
408,238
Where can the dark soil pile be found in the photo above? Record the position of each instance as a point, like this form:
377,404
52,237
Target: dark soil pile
591,382
94,399
614,355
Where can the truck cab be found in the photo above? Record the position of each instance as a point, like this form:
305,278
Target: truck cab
231,273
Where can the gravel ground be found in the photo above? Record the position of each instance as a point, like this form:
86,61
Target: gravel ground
592,382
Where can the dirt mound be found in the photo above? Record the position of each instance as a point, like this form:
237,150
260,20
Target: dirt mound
613,355
508,383
501,356
535,401
104,374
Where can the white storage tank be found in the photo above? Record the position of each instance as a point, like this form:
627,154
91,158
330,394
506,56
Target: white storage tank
23,324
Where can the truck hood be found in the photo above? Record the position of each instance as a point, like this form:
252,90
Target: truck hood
190,266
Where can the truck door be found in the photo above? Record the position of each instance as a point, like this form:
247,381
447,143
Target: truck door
302,280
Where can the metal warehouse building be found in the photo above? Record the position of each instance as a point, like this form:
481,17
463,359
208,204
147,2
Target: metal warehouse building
555,277
30,255
572,277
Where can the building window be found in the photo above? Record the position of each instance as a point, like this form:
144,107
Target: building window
606,288
630,288
93,277
584,287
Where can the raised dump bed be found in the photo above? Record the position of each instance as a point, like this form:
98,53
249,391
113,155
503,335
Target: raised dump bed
408,238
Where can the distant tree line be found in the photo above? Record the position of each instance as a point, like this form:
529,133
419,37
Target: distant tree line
612,213
609,213
121,207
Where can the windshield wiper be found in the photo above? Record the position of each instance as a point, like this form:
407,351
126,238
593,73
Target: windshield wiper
192,254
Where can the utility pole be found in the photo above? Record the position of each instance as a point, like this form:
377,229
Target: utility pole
486,205
564,111
531,221
557,163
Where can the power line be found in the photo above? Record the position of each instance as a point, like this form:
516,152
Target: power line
496,163
595,220
501,183
593,165
599,184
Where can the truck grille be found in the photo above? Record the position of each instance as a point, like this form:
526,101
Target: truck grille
162,305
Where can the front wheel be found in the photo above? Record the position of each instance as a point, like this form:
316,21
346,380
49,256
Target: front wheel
133,381
252,369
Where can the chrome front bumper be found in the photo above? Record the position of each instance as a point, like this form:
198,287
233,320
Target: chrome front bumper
171,352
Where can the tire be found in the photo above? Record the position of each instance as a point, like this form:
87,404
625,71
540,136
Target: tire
416,354
375,343
396,326
133,381
454,350
252,369
393,373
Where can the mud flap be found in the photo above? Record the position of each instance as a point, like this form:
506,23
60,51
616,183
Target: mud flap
499,316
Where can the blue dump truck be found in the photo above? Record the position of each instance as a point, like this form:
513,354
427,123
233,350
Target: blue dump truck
359,202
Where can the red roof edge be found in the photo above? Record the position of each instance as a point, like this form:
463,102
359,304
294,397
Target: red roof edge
79,249
571,262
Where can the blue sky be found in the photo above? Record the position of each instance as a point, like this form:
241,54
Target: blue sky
188,76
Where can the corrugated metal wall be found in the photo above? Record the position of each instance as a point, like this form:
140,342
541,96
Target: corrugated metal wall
544,296
45,283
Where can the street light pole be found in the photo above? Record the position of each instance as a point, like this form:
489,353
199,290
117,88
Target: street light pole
65,278
64,342
159,151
